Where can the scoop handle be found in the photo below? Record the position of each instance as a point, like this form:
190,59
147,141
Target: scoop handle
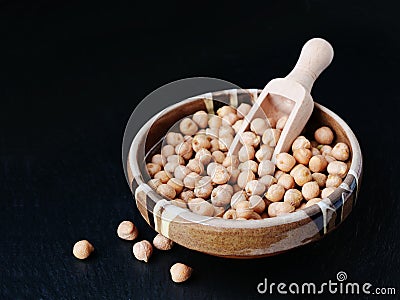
315,56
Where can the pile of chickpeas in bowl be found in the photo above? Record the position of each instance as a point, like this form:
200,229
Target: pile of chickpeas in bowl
195,172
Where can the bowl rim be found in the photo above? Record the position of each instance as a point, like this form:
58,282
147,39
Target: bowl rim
355,171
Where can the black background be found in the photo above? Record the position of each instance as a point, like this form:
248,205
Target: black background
71,74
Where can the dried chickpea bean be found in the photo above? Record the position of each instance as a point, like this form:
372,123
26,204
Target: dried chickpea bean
310,190
243,210
325,150
301,142
231,160
333,181
338,168
181,172
203,187
188,138
326,192
225,142
238,197
220,175
204,156
162,176
293,197
212,132
264,153
302,155
324,135
214,145
312,202
218,157
230,214
199,142
210,168
82,249
244,177
167,191
221,195
233,173
243,109
187,195
176,184
195,165
127,231
214,122
259,126
162,243
200,118
184,150
301,174
266,167
176,159
142,250
246,152
225,110
257,204
178,202
267,180
329,158
280,124
170,168
201,207
218,211
320,178
254,216
158,159
152,168
249,138
275,193
341,151
317,163
174,138
230,119
280,208
271,136
238,124
190,180
315,151
254,187
286,181
278,174
226,130
167,151
188,127
249,165
154,183
285,162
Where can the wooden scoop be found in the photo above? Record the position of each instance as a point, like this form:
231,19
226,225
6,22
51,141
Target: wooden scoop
290,96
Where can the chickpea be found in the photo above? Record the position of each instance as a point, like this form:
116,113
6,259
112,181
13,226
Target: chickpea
249,165
333,181
310,190
301,142
233,173
195,165
243,109
325,150
246,152
254,187
312,202
167,151
204,156
259,126
201,207
158,159
200,118
166,191
203,187
154,183
188,127
218,211
278,174
266,167
152,169
267,180
230,214
275,193
225,130
341,151
302,155
317,163
249,138
174,138
162,176
286,181
280,208
225,142
320,178
338,168
170,168
244,178
184,150
82,249
324,135
221,195
211,168
190,180
214,145
214,122
225,110
188,138
218,157
180,272
238,197
315,151
187,195
301,174
199,142
127,231
243,210
231,160
176,159
264,153
162,243
178,202
326,192
212,132
142,250
220,175
329,159
271,136
230,119
176,184
238,124
293,197
181,172
257,204
280,124
285,162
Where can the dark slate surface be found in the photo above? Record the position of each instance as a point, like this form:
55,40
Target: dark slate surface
71,73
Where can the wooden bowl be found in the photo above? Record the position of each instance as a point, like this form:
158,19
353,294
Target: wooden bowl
239,238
